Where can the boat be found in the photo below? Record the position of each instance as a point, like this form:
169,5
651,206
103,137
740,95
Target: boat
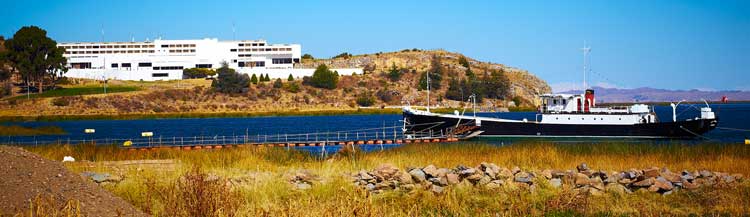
562,115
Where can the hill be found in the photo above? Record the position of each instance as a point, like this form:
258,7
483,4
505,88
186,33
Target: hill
375,88
647,94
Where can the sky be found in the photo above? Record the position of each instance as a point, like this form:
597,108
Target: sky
684,45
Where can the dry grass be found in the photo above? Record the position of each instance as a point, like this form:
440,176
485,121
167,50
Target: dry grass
265,191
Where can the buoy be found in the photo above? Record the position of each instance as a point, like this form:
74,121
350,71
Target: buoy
747,141
127,143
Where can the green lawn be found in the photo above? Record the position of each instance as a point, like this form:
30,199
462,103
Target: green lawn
75,91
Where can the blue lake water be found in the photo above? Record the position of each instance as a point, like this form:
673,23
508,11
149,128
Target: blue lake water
730,116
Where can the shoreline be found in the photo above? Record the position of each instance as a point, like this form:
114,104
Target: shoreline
358,111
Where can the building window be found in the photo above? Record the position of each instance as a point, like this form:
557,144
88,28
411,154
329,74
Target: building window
232,50
144,64
281,60
203,66
126,65
86,65
114,65
168,68
164,45
156,75
241,64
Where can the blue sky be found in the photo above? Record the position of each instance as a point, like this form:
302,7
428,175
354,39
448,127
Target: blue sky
663,44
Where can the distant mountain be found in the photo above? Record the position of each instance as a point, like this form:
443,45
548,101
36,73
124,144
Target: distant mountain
647,94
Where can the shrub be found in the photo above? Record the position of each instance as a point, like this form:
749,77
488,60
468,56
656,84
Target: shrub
290,78
254,79
307,56
517,100
394,73
324,77
197,73
230,81
277,83
62,101
344,55
292,87
365,99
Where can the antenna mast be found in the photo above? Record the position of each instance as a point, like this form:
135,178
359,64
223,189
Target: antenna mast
586,50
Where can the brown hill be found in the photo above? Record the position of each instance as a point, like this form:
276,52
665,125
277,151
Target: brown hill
29,180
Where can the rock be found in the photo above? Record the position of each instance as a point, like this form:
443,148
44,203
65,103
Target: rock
383,185
405,178
505,173
437,189
629,175
581,179
370,187
625,181
364,175
495,184
652,172
452,178
689,185
663,184
671,177
407,187
523,177
304,186
583,167
666,193
547,174
617,188
442,181
418,175
489,168
555,182
613,177
484,180
597,183
727,179
738,176
430,170
474,177
385,171
99,177
442,172
558,174
705,174
467,172
644,183
515,170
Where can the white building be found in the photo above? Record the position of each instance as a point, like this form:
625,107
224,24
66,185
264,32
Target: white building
165,59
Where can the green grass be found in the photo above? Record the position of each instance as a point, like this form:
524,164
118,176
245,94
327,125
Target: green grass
76,91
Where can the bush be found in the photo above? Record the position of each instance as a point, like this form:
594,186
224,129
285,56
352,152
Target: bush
62,101
517,100
197,73
394,73
324,78
230,81
292,87
307,56
365,99
344,55
290,78
277,83
254,79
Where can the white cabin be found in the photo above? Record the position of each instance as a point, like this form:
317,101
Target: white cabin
581,109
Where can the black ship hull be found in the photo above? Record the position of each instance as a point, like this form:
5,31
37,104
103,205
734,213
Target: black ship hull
436,124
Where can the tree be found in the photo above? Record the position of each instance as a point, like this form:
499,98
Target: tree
268,78
35,56
197,72
344,55
324,78
290,78
254,79
307,56
229,81
365,99
496,84
436,74
394,73
277,83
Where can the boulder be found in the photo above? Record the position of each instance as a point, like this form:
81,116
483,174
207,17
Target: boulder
441,181
671,177
464,172
555,182
663,184
583,167
689,185
581,179
505,173
547,174
418,175
489,168
484,180
364,175
303,186
437,189
475,177
597,183
495,184
523,177
652,172
405,178
441,172
430,170
385,172
515,170
452,178
644,183
705,174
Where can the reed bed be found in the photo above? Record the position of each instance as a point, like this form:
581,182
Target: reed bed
266,191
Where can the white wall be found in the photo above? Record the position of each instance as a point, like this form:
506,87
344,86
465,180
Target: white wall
146,75
296,73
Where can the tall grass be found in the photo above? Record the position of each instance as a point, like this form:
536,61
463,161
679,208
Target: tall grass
76,91
266,191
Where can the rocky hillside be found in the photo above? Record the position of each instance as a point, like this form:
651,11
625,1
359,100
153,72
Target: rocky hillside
523,84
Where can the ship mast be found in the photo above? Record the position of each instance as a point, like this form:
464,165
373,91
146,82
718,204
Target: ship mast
586,51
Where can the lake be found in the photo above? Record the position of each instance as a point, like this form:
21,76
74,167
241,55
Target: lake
730,116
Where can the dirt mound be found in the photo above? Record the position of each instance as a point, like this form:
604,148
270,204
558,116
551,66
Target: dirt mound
26,177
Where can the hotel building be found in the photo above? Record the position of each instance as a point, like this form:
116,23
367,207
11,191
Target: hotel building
165,59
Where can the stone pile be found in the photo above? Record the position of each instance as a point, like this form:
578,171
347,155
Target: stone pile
582,179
